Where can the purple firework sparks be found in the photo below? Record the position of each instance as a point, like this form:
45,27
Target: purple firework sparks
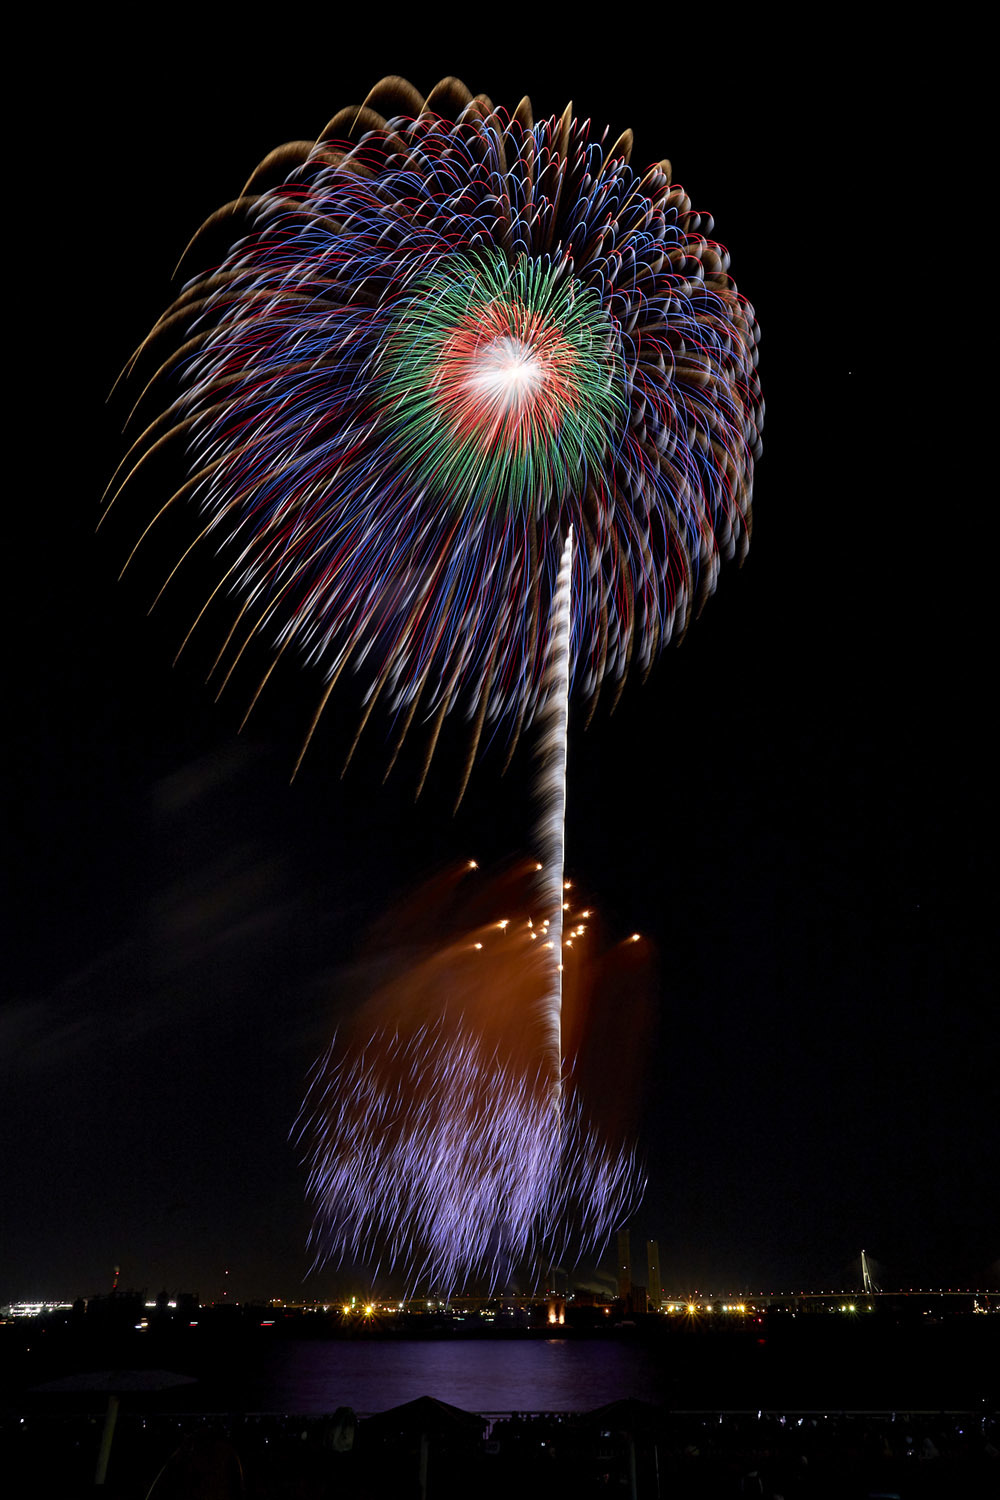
432,1153
428,1127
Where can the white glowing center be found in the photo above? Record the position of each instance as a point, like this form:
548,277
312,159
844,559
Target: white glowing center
506,371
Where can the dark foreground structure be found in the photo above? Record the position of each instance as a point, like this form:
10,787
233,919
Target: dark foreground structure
428,1449
901,1405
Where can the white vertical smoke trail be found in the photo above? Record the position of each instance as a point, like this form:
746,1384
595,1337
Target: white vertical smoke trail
551,790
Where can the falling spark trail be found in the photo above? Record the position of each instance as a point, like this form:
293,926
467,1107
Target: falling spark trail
436,1153
551,789
432,1142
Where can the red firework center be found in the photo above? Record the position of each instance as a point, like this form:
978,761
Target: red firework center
505,377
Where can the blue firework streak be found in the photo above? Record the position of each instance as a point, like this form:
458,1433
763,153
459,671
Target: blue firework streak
443,337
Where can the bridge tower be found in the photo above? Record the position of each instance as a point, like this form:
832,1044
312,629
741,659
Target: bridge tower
868,1285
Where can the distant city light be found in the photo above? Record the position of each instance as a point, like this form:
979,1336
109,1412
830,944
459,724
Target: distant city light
34,1309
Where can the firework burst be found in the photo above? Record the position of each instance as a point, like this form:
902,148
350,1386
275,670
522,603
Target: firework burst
435,1155
470,407
430,1138
437,338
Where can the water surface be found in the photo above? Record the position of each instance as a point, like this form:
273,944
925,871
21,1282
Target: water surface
478,1374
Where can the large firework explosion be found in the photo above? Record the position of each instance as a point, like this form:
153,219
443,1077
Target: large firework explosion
441,336
470,406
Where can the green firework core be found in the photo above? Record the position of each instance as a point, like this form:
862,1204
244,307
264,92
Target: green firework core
501,383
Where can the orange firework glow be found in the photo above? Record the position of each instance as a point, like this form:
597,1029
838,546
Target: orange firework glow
436,1138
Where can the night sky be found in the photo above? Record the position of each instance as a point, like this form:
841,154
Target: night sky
795,808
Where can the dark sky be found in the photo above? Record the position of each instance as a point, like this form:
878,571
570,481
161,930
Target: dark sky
795,807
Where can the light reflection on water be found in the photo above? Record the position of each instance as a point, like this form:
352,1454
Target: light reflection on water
479,1375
